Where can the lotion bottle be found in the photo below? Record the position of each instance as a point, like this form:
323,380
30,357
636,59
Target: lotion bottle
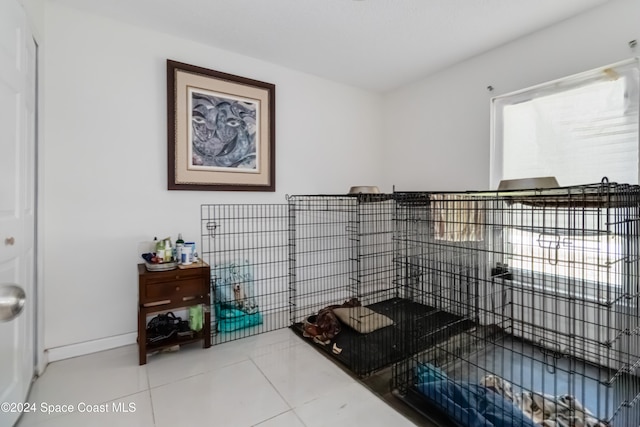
159,249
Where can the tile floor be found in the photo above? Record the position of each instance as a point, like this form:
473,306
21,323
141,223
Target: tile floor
269,380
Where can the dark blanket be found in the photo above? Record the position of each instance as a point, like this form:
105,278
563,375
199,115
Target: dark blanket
473,405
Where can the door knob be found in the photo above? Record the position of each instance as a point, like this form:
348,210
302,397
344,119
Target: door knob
9,241
12,299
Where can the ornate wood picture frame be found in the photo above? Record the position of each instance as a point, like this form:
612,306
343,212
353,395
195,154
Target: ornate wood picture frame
221,130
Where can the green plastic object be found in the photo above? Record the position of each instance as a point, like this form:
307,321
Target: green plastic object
195,318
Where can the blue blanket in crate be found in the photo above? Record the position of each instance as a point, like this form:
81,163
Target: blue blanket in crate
467,404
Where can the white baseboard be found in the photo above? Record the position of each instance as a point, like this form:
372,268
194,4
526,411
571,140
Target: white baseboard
88,347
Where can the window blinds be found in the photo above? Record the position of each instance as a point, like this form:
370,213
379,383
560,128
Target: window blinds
578,129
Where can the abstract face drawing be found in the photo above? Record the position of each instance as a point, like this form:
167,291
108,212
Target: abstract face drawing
224,132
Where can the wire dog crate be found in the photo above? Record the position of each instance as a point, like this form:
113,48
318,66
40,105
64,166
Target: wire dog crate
519,305
341,254
247,249
548,284
347,290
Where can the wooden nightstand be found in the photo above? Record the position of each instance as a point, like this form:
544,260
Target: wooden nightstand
167,290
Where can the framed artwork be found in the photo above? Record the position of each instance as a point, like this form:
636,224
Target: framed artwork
221,130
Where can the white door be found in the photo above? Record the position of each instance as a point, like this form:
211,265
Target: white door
17,200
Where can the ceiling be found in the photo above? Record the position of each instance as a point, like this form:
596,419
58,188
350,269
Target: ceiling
377,45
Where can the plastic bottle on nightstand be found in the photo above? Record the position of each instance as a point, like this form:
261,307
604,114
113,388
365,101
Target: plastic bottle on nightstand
179,246
159,249
192,252
168,251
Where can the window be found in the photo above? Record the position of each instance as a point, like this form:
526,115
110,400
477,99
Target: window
578,129
583,263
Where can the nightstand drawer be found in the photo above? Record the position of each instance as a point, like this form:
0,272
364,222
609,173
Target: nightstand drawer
173,275
166,290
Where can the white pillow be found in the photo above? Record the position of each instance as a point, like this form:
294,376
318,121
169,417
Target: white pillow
362,319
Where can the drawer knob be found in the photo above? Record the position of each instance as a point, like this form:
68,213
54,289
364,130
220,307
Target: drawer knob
177,288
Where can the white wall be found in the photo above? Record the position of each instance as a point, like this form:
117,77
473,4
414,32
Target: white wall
105,160
104,156
438,128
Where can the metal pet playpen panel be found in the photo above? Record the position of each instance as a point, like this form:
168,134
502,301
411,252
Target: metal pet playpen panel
246,247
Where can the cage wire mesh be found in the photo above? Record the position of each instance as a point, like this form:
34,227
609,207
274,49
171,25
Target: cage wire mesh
247,249
520,303
341,254
547,281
